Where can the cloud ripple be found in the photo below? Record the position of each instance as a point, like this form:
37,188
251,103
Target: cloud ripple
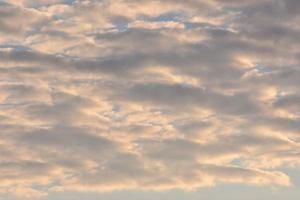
124,94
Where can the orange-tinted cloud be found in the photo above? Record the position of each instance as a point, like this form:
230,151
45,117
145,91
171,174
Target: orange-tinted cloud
107,95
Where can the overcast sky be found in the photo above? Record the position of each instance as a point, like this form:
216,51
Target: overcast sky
149,99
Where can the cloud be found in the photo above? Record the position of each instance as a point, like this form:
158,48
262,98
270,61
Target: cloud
155,25
149,95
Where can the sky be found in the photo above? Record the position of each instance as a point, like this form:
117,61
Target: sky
149,99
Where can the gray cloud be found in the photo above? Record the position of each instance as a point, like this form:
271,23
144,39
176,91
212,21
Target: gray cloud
108,95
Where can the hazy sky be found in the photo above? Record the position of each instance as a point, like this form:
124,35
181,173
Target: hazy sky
149,99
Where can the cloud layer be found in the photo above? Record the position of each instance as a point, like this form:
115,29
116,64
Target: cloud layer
102,95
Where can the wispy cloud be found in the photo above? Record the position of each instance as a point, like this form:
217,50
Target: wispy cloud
128,94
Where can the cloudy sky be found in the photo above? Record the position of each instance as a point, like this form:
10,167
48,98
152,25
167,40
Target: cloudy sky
149,99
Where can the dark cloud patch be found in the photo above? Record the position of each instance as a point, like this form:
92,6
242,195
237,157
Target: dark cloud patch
183,97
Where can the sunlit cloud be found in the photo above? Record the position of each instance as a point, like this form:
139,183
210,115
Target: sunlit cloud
99,96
